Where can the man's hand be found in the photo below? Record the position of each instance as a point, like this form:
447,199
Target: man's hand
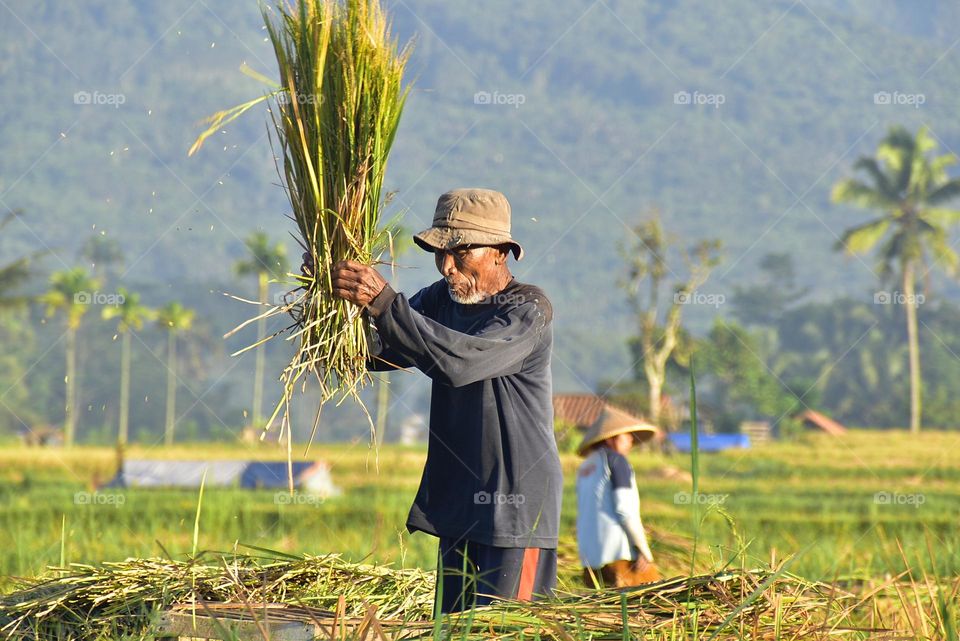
356,282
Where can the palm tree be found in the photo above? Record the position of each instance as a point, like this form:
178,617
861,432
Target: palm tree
267,262
401,242
910,190
175,318
102,252
71,292
130,315
15,273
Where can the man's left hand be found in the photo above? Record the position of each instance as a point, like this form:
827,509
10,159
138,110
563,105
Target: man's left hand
356,282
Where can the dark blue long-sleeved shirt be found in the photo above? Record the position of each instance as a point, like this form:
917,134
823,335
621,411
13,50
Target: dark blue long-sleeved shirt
492,473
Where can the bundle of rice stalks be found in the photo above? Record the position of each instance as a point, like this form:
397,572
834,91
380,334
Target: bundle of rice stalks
334,117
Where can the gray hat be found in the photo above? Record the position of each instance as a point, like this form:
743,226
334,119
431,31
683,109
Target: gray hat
469,217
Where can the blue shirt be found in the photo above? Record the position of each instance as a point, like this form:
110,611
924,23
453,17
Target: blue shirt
492,473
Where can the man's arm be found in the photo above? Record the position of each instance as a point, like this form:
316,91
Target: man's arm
360,284
385,359
443,354
452,357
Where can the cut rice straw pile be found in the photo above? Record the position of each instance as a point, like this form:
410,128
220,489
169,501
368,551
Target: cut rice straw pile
334,118
112,599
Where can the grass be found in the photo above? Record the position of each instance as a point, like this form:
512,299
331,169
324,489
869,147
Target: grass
839,562
782,498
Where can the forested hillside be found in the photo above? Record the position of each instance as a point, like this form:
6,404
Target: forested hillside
585,114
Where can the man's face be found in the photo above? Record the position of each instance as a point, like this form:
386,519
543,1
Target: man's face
471,272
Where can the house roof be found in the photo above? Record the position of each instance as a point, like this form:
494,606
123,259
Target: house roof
822,422
582,410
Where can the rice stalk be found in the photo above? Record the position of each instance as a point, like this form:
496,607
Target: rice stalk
333,117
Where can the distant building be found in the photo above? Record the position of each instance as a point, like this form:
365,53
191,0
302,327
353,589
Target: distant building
583,410
816,421
42,436
758,432
580,410
413,430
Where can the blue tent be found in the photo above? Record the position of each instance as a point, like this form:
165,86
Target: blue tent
710,442
272,474
311,476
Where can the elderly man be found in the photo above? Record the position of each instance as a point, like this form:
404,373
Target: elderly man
492,484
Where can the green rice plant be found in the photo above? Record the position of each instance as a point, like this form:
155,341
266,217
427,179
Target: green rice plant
334,118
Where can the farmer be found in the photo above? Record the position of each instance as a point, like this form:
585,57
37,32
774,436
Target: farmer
491,485
610,537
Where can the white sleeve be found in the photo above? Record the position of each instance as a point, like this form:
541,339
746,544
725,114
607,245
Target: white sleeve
627,507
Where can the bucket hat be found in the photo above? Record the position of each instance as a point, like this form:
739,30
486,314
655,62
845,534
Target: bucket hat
469,216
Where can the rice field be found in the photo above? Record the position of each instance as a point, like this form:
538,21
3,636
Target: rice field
850,538
842,505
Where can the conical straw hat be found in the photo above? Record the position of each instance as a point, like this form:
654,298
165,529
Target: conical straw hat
612,422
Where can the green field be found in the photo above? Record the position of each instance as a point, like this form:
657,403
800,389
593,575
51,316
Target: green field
817,498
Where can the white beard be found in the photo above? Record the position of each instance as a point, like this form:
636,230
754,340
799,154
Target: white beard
471,299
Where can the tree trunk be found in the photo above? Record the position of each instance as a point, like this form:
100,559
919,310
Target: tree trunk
383,405
70,408
124,428
913,344
171,388
654,391
263,289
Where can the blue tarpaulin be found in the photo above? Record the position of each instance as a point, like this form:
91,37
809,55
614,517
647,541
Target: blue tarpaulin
268,474
312,476
709,442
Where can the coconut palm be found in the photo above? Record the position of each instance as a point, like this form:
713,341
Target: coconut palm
910,187
267,262
401,242
176,319
130,315
15,273
71,294
101,252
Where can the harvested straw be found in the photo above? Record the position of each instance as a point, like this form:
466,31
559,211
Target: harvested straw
334,115
85,601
